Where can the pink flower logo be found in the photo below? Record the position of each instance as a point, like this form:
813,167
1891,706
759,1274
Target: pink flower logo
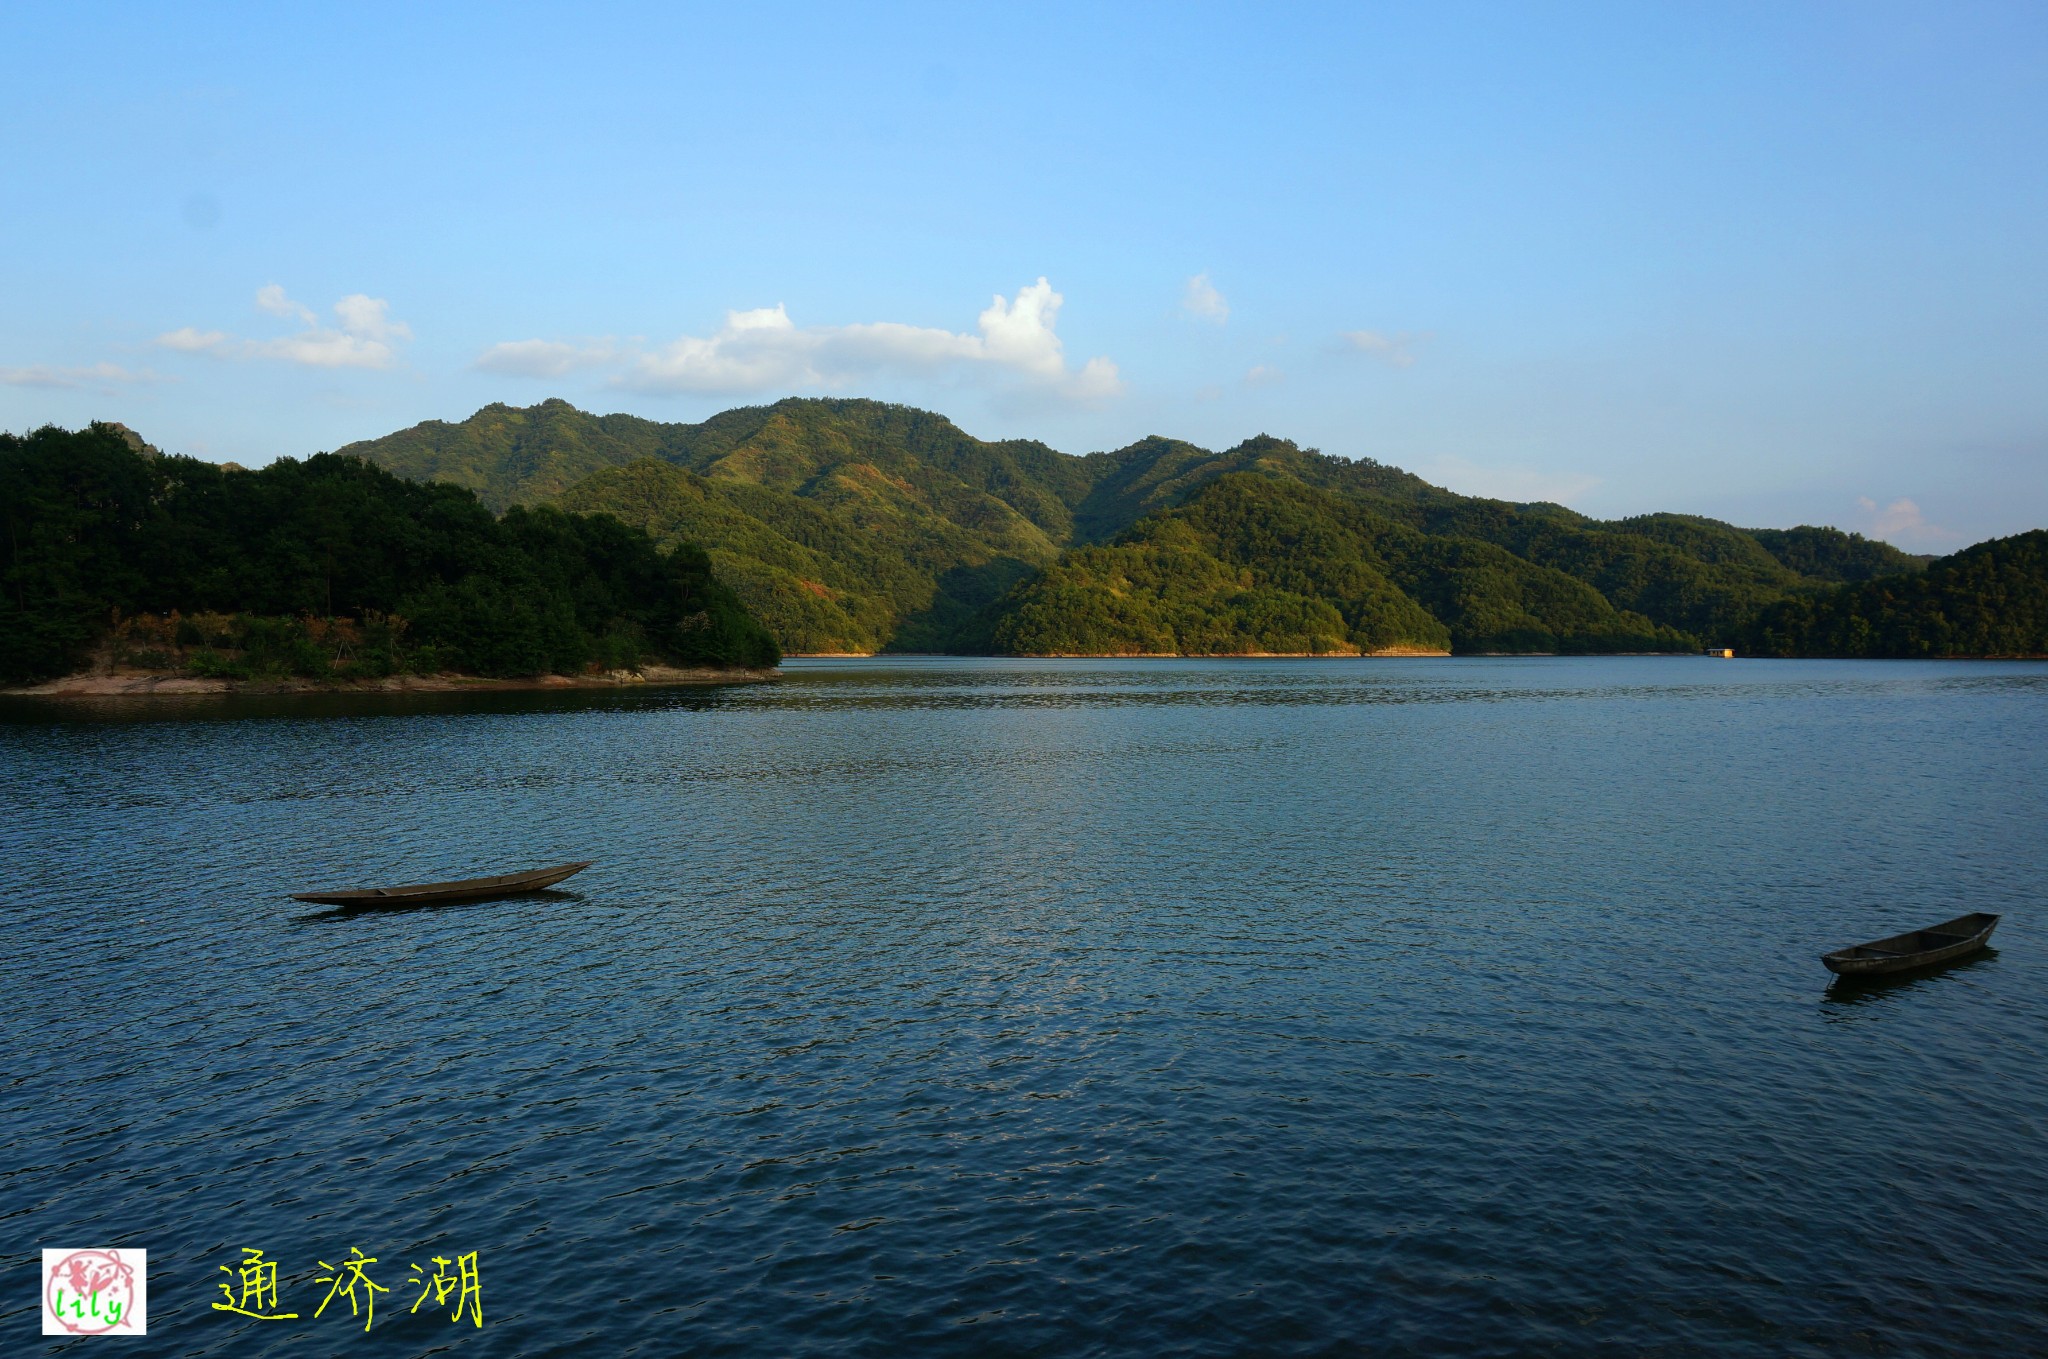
90,1292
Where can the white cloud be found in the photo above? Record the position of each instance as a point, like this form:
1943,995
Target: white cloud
270,297
754,349
365,336
1508,482
1901,522
1264,375
368,318
544,358
101,374
188,340
1395,350
764,350
1201,299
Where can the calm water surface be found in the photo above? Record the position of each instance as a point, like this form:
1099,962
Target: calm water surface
1052,1008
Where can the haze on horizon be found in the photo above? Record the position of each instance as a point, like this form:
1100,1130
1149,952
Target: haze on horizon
1769,264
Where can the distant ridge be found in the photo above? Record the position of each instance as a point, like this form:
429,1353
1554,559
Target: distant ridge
851,525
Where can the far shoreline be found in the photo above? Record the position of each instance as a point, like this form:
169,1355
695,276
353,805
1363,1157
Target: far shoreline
133,683
126,682
1359,656
1389,654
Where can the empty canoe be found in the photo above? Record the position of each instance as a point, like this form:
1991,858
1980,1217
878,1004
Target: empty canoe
1915,948
426,893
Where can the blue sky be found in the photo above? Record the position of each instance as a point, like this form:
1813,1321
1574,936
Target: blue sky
1773,263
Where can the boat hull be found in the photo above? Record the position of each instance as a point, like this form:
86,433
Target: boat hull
1936,944
432,893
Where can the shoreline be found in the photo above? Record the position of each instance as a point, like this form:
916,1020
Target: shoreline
1391,652
173,684
135,683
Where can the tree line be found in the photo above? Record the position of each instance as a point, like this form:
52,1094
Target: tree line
1987,600
331,566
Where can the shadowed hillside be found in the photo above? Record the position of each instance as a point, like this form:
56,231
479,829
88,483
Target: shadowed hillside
330,569
1987,600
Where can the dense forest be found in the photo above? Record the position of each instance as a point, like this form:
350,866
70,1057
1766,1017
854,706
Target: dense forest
850,525
1987,600
1256,564
329,567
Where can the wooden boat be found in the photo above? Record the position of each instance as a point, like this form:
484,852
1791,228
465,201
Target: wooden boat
427,893
1915,948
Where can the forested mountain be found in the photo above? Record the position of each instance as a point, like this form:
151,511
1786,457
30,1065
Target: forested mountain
846,525
1830,554
329,567
1987,600
1257,563
850,525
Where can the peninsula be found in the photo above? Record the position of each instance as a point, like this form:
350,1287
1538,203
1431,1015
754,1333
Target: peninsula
131,571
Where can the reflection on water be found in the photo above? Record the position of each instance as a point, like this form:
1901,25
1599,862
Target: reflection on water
1054,1008
182,708
1848,991
927,683
332,914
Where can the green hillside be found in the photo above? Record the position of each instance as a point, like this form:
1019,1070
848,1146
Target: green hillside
512,456
1260,563
1987,600
845,525
858,526
855,568
329,568
1830,554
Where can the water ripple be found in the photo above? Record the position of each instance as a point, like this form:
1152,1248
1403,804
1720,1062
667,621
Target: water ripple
1054,1008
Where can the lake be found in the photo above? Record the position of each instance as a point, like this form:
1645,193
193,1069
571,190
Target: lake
1049,1008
